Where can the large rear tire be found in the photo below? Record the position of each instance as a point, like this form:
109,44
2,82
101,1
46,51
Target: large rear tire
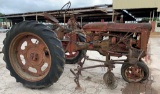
33,54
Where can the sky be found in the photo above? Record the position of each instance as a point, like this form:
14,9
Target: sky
23,6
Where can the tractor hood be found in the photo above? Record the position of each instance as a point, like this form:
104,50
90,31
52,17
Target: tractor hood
123,27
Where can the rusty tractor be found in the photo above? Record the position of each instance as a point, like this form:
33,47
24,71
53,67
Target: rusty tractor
35,55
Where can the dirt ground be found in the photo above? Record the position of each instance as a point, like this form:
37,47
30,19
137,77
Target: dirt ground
94,85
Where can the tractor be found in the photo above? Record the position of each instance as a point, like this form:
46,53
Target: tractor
36,54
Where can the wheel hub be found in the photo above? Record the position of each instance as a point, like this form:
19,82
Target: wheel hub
34,56
134,73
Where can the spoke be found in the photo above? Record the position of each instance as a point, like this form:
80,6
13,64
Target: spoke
39,71
29,42
70,53
26,66
128,74
140,71
133,69
41,45
21,52
47,59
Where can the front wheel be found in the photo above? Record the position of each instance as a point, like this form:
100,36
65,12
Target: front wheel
135,73
33,54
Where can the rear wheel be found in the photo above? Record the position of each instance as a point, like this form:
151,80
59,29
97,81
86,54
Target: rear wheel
135,73
74,57
33,54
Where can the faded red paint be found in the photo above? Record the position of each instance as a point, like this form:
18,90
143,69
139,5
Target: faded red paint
142,28
104,26
153,23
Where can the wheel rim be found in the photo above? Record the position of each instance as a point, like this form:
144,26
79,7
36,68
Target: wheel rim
30,57
134,74
71,55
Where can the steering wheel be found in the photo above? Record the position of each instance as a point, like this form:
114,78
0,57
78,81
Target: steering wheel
65,8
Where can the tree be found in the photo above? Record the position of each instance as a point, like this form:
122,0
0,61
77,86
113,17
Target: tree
148,19
1,14
0,18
